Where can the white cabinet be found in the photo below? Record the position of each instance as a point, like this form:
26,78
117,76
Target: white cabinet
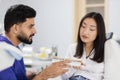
97,6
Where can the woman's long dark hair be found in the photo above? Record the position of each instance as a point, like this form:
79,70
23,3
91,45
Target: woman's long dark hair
99,41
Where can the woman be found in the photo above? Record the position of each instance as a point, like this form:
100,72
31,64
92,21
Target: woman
89,48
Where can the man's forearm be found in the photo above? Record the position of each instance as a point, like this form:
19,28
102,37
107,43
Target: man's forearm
31,76
40,76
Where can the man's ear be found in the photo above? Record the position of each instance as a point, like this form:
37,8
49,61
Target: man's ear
15,28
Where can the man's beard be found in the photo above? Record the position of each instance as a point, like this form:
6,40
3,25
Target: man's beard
23,38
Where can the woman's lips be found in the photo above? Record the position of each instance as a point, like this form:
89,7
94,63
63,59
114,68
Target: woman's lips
84,37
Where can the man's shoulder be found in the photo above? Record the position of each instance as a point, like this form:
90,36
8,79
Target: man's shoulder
10,48
8,54
5,59
1,37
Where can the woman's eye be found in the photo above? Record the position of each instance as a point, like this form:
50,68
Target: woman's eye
83,26
92,29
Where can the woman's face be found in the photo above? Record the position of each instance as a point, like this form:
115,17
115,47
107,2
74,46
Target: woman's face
88,31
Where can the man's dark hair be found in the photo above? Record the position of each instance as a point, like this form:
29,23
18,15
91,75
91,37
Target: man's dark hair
17,14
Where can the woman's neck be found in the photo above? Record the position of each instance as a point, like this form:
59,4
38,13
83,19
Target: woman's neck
88,49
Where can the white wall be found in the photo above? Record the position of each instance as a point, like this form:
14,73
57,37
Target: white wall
54,22
114,16
4,4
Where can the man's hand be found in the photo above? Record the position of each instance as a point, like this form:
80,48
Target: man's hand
54,70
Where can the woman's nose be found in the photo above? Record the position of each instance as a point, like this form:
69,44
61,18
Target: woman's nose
86,31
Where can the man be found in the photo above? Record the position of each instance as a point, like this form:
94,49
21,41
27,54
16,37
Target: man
19,27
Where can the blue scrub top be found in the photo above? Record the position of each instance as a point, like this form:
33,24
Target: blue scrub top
16,71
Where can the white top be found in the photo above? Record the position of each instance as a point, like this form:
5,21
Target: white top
92,70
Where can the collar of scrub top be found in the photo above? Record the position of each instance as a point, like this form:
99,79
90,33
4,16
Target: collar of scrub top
11,52
14,54
4,39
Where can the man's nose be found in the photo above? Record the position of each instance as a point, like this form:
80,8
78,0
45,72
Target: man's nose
34,31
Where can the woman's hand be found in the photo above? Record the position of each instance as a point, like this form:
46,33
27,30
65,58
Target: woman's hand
77,64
